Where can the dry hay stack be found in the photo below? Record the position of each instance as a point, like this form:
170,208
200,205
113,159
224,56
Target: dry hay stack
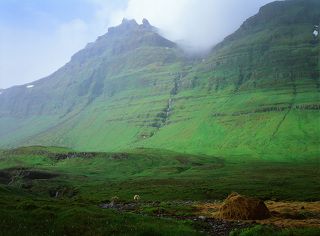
237,207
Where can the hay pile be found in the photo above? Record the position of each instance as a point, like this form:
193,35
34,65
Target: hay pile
237,207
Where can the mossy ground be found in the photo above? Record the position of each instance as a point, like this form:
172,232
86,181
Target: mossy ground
85,181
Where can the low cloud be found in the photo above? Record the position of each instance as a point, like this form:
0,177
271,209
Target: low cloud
199,24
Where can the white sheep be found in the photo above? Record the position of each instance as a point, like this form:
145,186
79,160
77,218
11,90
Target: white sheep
136,198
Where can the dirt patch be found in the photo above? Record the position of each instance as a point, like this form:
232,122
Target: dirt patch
32,175
208,225
120,206
4,177
62,192
283,214
294,214
238,207
53,155
9,175
182,160
119,156
72,155
87,155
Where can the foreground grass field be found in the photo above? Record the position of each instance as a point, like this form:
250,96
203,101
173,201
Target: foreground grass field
55,191
25,215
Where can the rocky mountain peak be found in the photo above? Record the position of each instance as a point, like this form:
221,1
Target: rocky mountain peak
145,22
125,26
128,23
147,26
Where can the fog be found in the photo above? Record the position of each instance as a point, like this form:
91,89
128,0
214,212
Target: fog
37,39
199,24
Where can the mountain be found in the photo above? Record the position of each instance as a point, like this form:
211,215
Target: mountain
256,94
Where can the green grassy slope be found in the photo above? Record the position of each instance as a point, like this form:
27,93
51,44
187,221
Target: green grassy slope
157,175
55,191
255,95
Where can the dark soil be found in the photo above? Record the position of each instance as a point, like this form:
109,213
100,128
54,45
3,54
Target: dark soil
6,175
31,175
71,155
210,226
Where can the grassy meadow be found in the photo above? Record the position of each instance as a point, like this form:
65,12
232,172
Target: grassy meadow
54,191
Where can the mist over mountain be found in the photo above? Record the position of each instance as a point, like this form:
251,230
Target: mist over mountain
197,25
134,81
42,37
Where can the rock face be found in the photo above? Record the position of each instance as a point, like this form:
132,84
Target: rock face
238,207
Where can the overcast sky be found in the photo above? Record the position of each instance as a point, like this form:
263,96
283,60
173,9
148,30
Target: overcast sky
39,36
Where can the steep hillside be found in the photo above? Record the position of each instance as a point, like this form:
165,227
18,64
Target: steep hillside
119,61
258,91
255,95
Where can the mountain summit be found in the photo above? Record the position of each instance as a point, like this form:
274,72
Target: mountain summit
127,36
123,48
255,94
131,25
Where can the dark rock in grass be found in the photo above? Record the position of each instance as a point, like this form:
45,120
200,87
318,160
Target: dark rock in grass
33,174
27,185
62,192
120,206
72,155
219,227
119,156
18,174
5,177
